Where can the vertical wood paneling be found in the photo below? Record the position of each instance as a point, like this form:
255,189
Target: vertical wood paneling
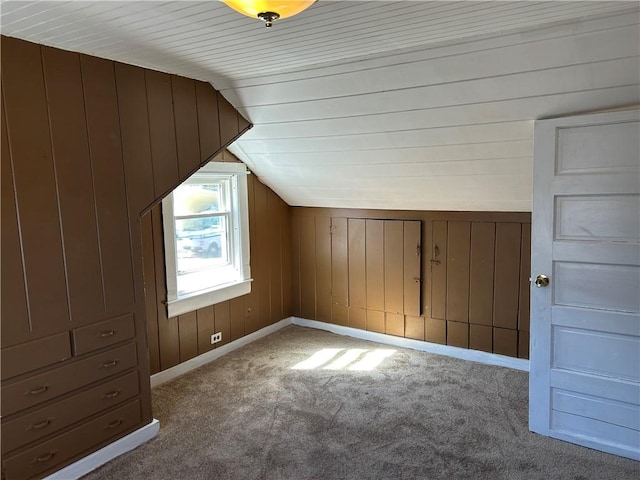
206,327
357,264
81,135
523,344
307,268
260,264
481,338
375,321
169,342
168,333
162,132
35,184
358,318
339,261
223,322
339,271
393,267
323,268
186,124
414,327
251,318
525,272
103,127
228,120
134,127
505,342
507,276
439,270
374,249
412,268
481,273
458,334
236,315
75,183
435,331
251,304
295,266
274,256
463,255
208,120
287,258
188,331
340,314
394,324
14,300
151,299
458,243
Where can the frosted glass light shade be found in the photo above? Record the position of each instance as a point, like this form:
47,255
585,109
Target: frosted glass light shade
284,8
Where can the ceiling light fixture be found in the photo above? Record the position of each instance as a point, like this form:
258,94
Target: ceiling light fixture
269,10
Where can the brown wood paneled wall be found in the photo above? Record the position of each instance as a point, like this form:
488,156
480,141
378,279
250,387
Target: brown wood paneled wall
472,269
88,145
177,339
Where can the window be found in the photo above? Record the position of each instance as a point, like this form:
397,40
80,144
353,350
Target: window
206,238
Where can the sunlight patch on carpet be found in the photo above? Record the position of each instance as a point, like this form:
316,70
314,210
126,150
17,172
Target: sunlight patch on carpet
355,359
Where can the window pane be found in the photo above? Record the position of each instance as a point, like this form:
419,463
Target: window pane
194,199
202,253
201,242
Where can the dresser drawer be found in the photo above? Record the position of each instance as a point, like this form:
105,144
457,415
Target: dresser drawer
30,356
39,388
65,446
45,421
103,334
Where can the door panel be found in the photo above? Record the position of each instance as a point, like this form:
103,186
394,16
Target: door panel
439,270
585,327
607,287
412,275
598,217
357,265
599,148
394,266
374,250
339,262
588,351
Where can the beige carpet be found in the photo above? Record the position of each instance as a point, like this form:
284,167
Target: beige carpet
306,404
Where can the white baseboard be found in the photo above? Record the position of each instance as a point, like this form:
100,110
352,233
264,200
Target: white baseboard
111,451
184,367
462,353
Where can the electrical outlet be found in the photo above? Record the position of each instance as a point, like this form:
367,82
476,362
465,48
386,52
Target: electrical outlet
216,337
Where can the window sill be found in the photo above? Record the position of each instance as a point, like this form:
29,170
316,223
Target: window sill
206,299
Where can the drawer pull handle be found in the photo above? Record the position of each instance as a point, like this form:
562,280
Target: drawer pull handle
113,424
113,394
44,458
108,334
110,364
37,391
39,425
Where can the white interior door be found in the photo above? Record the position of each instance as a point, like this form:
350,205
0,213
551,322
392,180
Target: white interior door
585,325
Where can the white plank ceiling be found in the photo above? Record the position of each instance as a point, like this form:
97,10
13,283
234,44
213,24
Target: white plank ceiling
417,105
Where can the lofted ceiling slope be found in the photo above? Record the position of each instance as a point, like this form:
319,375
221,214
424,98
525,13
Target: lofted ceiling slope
416,105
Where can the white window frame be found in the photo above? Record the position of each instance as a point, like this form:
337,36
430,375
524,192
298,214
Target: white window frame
239,251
